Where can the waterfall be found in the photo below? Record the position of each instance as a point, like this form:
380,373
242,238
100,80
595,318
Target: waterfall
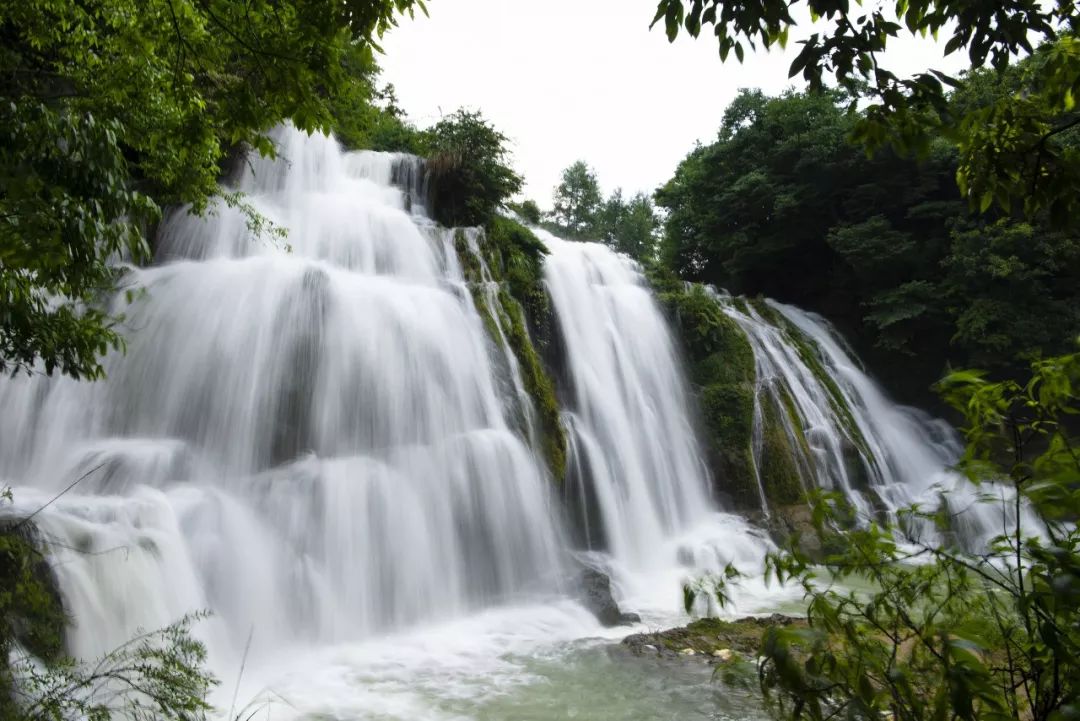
323,431
306,435
634,452
847,435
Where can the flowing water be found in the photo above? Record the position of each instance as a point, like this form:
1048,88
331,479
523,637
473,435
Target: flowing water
315,438
883,457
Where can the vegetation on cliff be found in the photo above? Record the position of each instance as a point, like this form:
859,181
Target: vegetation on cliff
721,369
513,257
883,245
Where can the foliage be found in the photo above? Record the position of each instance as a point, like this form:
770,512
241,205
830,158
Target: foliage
113,108
155,675
529,212
942,632
365,114
31,614
468,164
629,226
782,205
1010,151
577,200
581,212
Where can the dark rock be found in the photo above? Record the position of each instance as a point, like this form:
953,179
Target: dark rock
685,557
35,607
793,521
596,595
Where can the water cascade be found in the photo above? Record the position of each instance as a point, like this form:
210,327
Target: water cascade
306,436
634,461
328,438
845,434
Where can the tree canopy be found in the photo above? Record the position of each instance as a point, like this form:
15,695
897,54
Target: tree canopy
577,199
581,212
114,108
1010,151
884,245
469,167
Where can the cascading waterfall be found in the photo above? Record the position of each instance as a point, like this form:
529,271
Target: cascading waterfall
305,437
848,436
634,458
316,437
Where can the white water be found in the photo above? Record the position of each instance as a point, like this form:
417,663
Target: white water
314,439
308,443
883,457
634,455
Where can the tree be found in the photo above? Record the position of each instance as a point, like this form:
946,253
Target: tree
366,114
944,632
114,108
577,200
469,167
529,211
1011,152
783,205
629,226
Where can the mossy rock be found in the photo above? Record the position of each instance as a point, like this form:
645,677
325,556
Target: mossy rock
722,369
708,635
538,385
31,608
728,414
779,465
514,257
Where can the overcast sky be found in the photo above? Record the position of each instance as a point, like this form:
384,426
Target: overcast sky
570,79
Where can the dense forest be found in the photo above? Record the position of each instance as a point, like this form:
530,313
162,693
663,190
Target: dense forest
931,220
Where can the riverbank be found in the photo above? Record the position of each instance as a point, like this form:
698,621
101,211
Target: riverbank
710,639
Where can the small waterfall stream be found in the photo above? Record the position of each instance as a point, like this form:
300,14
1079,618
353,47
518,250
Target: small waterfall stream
634,449
848,435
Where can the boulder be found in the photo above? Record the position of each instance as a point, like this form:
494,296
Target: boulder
595,590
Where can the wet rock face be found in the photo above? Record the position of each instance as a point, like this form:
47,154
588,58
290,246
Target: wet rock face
595,590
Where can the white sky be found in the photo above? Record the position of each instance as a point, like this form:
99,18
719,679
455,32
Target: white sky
570,79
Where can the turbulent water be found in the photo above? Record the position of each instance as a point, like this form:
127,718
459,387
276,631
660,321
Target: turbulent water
315,438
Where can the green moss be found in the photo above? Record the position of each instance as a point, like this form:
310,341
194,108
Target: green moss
470,264
708,635
795,420
809,354
538,385
728,414
481,303
779,466
31,610
721,367
514,256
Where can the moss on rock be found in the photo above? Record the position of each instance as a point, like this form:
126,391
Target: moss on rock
538,385
779,466
31,609
514,258
721,367
709,635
